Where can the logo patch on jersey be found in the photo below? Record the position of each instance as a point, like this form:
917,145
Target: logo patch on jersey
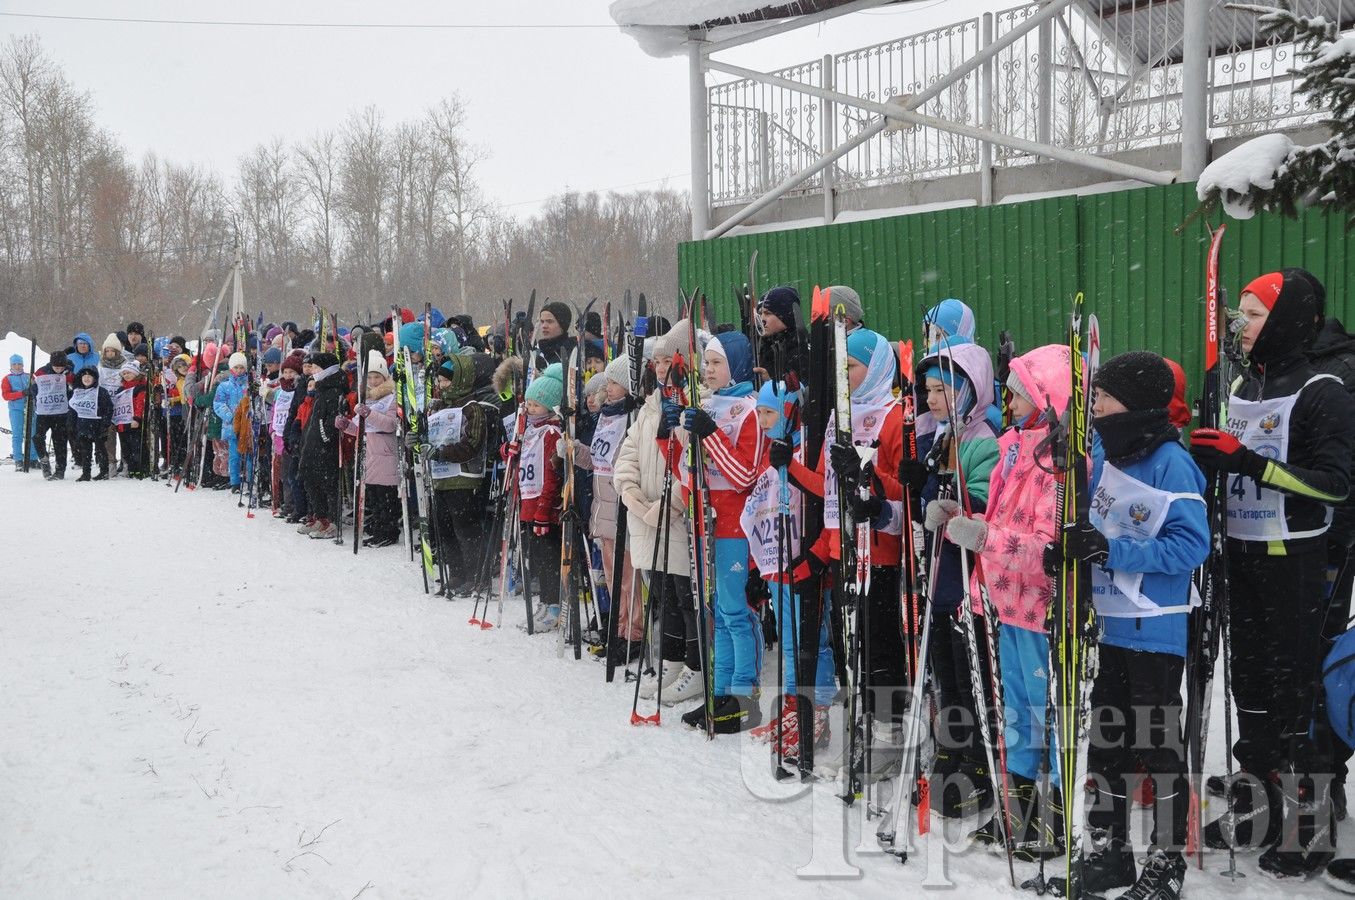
1269,423
737,567
1140,512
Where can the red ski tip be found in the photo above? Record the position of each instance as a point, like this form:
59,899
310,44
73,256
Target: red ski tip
818,307
637,719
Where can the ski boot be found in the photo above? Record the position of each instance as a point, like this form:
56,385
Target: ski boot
782,724
84,475
1252,820
1307,840
733,714
47,468
1340,875
649,685
102,476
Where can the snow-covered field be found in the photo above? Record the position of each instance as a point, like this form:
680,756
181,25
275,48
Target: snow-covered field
197,705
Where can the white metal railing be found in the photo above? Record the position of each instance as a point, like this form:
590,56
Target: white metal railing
1104,76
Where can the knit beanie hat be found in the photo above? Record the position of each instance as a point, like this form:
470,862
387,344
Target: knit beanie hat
446,339
377,363
618,370
186,360
548,388
59,359
781,301
592,323
239,359
560,312
411,336
324,360
841,295
593,385
272,357
1138,379
861,344
16,360
131,368
593,350
112,343
1018,387
294,361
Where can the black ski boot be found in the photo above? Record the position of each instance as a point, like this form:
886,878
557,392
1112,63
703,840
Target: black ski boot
102,476
1307,840
60,474
1032,838
1252,820
696,718
733,714
1163,875
965,790
47,468
1110,865
1340,875
84,475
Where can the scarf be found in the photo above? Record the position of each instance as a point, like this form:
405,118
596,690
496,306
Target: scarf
1128,437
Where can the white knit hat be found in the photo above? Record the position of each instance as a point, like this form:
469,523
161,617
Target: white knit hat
112,343
618,370
239,359
377,363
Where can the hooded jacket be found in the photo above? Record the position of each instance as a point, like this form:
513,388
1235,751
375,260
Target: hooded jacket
90,429
978,451
320,441
1022,514
80,360
227,399
1333,353
379,453
638,478
469,450
1315,473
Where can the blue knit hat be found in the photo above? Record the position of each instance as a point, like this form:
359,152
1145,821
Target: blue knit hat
861,345
411,336
776,396
272,357
16,360
446,339
548,388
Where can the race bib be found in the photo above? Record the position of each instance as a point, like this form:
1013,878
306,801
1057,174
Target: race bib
51,395
122,407
85,402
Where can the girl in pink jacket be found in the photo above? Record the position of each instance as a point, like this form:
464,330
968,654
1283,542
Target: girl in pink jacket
380,470
1009,539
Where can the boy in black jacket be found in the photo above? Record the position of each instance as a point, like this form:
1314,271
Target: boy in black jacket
320,446
91,411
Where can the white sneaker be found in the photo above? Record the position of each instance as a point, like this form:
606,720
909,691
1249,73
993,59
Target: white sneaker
687,687
307,527
539,620
549,621
330,531
671,672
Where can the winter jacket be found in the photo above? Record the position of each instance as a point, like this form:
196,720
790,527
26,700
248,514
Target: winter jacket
80,361
469,451
320,441
227,399
543,509
1166,561
179,391
295,427
1022,514
788,350
638,480
1333,353
206,401
556,349
138,388
605,500
90,429
380,462
48,370
13,387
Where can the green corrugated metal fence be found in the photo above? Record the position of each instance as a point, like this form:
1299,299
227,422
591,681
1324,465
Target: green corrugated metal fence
1018,265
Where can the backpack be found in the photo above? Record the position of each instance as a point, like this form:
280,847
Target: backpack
1338,677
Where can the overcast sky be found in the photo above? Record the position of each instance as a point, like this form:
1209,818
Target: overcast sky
577,108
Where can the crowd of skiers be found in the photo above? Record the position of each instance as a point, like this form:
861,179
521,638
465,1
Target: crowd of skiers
668,469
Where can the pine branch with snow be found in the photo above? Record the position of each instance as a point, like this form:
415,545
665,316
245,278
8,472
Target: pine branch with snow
1270,173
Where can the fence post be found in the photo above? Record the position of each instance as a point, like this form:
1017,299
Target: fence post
700,137
828,129
1195,89
986,113
1044,69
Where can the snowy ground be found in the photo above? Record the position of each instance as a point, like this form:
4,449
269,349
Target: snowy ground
200,705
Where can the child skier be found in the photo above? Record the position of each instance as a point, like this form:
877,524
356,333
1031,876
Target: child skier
955,384
1009,538
129,411
1146,535
381,471
775,546
1287,452
91,409
319,465
15,389
725,428
51,392
230,393
539,482
458,427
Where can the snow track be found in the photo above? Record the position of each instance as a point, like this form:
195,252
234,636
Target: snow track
201,706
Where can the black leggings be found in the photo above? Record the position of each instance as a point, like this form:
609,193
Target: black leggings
680,640
57,426
543,554
381,511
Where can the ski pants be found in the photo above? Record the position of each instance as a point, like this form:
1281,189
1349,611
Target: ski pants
680,641
133,442
110,442
297,499
1136,728
176,441
959,740
238,461
57,426
881,632
1024,658
88,450
16,428
738,636
543,555
1277,605
381,511
630,624
460,528
324,496
823,680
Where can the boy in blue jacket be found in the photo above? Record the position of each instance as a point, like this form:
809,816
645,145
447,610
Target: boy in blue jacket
1146,533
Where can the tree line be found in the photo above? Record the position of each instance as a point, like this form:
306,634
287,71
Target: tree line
362,216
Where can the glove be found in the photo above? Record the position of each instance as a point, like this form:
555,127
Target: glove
342,422
968,532
508,450
939,512
671,413
807,566
631,404
1082,541
846,464
363,410
698,422
914,473
1052,559
866,509
780,454
1220,451
756,592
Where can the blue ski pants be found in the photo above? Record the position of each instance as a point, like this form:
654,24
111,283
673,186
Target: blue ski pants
1025,682
16,428
236,459
738,635
823,679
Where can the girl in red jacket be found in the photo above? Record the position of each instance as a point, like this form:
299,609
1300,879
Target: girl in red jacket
539,484
129,413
